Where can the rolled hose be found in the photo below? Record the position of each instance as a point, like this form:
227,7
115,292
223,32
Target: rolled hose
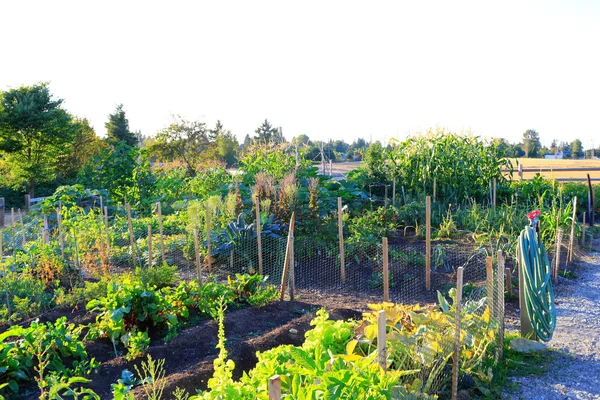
538,292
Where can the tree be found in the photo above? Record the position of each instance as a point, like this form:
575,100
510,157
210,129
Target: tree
117,128
34,129
84,145
554,146
301,139
222,145
531,143
268,134
576,149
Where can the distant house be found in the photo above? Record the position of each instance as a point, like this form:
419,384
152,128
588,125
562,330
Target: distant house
558,155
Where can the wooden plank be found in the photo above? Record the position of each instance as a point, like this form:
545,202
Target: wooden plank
428,242
341,240
275,388
381,339
456,357
259,235
386,279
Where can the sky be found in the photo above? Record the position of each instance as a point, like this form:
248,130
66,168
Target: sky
328,69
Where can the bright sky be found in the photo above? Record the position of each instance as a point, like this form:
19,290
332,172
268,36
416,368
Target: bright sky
330,69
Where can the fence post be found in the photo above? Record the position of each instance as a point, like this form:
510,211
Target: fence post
259,235
489,271
500,305
394,192
292,270
131,236
386,280
557,260
197,253
208,259
583,232
149,246
520,171
22,228
341,238
27,202
160,232
456,358
381,339
572,238
45,230
2,209
428,242
275,388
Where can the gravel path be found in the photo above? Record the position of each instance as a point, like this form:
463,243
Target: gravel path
574,373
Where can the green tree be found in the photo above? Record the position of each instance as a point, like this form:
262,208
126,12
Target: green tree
576,149
84,145
266,134
223,145
531,143
117,128
34,130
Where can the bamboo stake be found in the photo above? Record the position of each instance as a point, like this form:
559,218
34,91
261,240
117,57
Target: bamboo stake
572,238
275,388
61,236
197,252
456,358
500,305
149,246
160,232
381,340
428,242
259,236
286,261
341,239
131,236
208,257
386,280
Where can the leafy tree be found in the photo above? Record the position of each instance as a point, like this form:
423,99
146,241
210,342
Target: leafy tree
84,145
266,134
576,149
223,146
554,146
531,143
247,141
34,129
301,139
117,128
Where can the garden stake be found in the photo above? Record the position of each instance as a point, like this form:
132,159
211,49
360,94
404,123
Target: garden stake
27,202
495,183
106,229
149,246
76,249
160,232
434,189
385,201
2,208
131,236
558,246
12,227
341,239
197,252
394,192
381,339
489,263
274,388
61,238
456,358
583,232
259,235
500,305
286,261
22,228
208,257
509,289
428,242
292,270
45,230
572,239
386,281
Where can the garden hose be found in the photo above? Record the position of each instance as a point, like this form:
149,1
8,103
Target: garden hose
538,292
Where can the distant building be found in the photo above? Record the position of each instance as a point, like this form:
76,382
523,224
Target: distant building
558,155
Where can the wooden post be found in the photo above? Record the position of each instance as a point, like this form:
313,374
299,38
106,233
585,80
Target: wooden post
292,270
341,239
434,189
500,304
456,358
106,230
27,203
149,246
381,339
572,238
394,192
591,200
386,279
131,236
330,167
208,257
509,288
197,253
558,246
61,236
275,388
385,198
2,210
494,191
160,232
583,232
12,227
22,229
259,235
286,261
489,270
520,171
428,242
45,230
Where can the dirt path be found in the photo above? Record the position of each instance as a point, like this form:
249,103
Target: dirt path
573,371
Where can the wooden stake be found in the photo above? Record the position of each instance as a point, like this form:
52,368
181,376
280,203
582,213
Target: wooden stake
22,228
456,358
292,270
558,246
583,232
381,339
394,192
489,271
286,261
500,304
572,238
61,236
520,171
509,288
385,198
275,388
386,280
197,253
428,242
434,189
45,230
149,246
160,232
106,231
259,235
494,191
526,327
12,227
209,255
341,240
27,203
131,236
2,210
